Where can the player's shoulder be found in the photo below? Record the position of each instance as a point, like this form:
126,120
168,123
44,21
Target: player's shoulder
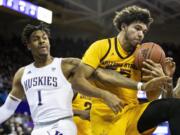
68,66
101,42
71,60
19,73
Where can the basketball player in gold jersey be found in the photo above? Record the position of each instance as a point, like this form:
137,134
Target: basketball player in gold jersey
81,109
117,53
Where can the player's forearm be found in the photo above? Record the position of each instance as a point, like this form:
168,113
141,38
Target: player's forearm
83,86
8,108
114,78
167,91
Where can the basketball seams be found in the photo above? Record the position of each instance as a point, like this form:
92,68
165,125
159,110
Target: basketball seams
160,61
150,52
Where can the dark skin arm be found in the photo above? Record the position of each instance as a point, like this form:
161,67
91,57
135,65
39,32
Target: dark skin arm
113,78
17,89
80,82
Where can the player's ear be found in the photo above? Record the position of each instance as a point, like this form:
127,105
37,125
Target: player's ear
28,46
123,26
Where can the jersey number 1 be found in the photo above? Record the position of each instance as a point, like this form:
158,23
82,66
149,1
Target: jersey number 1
39,98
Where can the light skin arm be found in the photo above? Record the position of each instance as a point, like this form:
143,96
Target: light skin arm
176,90
152,70
169,69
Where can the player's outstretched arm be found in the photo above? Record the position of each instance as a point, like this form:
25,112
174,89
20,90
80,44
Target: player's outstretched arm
113,78
13,99
80,82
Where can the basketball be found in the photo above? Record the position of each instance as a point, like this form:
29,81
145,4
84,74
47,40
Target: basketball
151,51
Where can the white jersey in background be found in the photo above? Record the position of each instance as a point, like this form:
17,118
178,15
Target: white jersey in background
48,92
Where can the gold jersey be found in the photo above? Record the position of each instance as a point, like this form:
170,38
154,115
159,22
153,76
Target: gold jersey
109,54
82,102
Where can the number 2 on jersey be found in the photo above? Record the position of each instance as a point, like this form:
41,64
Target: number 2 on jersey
87,105
39,98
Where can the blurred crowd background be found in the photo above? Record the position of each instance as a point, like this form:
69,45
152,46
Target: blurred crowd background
75,25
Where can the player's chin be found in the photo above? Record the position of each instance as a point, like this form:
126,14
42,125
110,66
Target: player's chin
135,43
43,54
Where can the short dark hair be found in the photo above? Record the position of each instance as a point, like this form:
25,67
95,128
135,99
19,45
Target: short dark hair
29,29
131,14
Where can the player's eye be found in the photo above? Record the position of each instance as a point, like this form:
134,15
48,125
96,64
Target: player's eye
34,39
44,37
138,28
145,31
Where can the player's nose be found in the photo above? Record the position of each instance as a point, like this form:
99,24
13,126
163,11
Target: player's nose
41,40
140,35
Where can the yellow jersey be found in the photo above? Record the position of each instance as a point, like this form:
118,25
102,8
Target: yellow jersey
82,102
109,54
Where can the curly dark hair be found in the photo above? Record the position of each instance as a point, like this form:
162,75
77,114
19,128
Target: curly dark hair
29,29
131,14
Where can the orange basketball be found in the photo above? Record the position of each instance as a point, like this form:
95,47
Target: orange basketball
151,51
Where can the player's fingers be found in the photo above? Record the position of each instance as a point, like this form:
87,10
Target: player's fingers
117,108
114,110
153,73
149,61
173,64
147,65
164,90
146,78
168,59
146,71
153,64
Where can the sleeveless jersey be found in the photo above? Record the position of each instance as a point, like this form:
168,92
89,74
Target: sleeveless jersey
82,102
48,92
109,54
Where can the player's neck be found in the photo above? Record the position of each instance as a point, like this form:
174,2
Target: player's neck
124,43
42,61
